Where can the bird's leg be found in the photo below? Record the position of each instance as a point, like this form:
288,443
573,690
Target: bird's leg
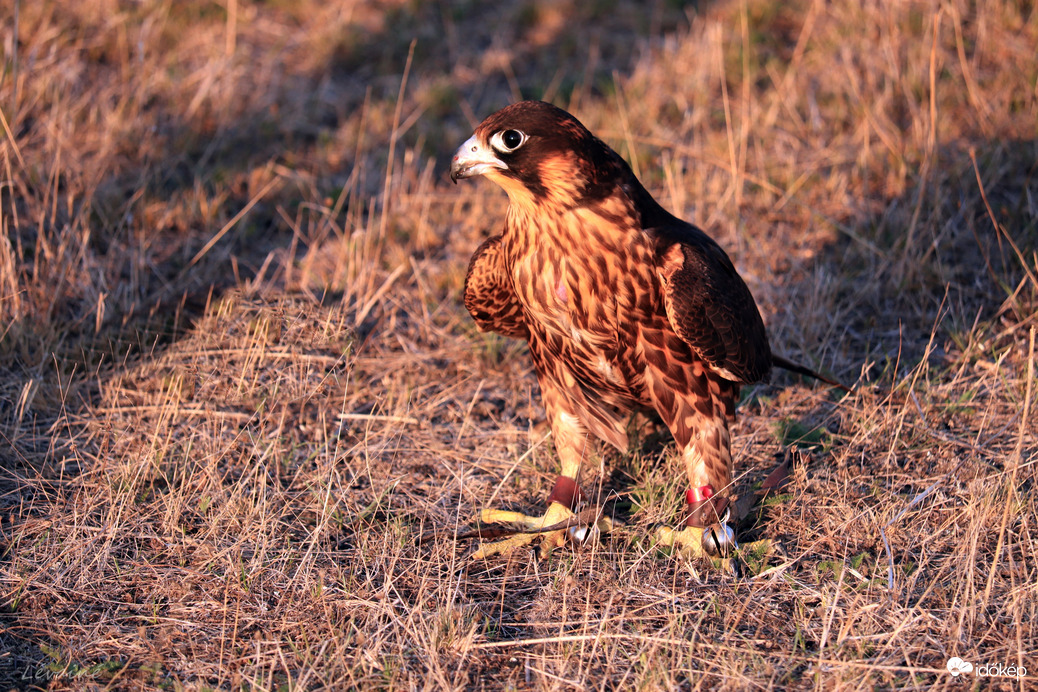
706,531
571,441
699,423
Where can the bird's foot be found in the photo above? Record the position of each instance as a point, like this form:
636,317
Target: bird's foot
715,541
707,532
558,525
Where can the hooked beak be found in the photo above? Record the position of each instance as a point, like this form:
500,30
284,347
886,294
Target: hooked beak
472,158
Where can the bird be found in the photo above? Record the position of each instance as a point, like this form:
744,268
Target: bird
624,306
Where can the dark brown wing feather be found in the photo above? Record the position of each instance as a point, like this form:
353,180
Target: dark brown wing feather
489,295
709,305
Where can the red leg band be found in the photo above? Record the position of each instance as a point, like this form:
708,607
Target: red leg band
566,492
704,507
694,495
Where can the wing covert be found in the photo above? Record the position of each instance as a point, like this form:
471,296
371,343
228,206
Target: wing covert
711,308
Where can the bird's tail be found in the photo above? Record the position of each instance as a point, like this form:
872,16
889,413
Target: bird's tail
786,364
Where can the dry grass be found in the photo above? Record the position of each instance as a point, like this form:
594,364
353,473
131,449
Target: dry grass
238,383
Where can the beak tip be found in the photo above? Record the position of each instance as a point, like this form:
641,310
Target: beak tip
473,159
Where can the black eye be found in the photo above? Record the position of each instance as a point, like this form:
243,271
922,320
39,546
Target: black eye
507,141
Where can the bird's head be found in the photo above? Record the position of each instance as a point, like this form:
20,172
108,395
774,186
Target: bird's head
540,155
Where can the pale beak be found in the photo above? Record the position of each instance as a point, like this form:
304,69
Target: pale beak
473,158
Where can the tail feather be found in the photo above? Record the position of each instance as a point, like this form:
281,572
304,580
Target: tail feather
786,364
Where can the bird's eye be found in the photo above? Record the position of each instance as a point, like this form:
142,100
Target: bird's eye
508,140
